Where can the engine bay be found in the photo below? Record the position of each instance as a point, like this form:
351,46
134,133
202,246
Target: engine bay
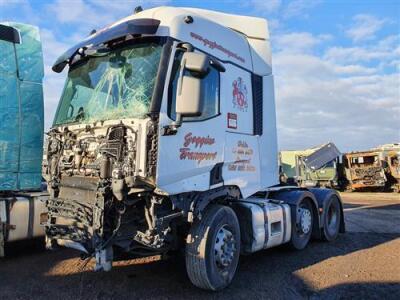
102,192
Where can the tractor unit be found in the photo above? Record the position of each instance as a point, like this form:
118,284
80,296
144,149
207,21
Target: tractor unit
165,140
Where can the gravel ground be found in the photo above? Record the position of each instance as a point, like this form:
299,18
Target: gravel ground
363,263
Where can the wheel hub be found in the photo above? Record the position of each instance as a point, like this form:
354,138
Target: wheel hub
305,220
224,247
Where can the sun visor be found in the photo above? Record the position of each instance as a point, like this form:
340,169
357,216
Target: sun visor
135,27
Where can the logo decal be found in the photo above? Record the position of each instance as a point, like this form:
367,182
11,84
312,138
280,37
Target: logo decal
239,94
243,155
215,45
186,153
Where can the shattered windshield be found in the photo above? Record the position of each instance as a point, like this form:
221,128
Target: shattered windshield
114,84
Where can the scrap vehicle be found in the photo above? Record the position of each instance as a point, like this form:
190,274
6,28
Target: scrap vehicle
393,168
364,170
315,167
22,197
391,160
165,140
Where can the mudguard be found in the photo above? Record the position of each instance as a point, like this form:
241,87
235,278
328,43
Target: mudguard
293,197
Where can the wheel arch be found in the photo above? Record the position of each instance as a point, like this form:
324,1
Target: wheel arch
293,197
195,204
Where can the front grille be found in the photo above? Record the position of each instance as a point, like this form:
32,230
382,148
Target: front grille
371,172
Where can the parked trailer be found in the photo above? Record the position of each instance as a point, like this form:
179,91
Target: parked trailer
165,139
21,133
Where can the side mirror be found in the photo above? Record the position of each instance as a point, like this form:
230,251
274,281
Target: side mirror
195,62
189,96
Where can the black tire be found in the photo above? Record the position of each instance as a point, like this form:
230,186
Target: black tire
202,259
332,219
300,237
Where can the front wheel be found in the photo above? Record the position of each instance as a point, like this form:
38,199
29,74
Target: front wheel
213,248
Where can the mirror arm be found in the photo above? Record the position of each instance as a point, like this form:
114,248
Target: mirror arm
217,65
172,128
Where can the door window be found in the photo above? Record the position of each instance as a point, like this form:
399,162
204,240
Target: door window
209,84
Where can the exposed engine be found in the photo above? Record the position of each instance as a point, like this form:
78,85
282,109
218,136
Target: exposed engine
102,191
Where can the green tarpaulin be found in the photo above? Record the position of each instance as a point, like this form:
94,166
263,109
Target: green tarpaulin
21,110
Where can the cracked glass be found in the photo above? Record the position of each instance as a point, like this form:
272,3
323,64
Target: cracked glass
111,85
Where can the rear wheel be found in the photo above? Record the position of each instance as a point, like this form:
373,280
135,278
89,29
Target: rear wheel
332,219
213,248
302,228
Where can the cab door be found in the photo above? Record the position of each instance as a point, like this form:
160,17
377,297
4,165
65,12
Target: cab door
241,158
186,157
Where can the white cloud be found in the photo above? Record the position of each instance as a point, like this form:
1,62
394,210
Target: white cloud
364,27
322,99
299,8
385,52
126,7
354,54
297,41
266,6
347,55
80,12
353,69
294,8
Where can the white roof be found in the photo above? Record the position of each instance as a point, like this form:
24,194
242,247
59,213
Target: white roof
252,27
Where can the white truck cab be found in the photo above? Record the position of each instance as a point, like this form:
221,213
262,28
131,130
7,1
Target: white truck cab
165,137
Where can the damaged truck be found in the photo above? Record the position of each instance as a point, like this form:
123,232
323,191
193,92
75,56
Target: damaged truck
165,139
22,197
315,167
364,170
391,161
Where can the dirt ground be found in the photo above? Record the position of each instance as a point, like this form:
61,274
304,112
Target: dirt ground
363,263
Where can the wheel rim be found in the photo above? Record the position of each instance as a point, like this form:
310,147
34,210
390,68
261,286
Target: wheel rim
224,248
305,220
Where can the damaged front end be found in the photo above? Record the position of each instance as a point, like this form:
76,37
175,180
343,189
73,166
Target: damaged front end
368,177
364,170
102,155
103,198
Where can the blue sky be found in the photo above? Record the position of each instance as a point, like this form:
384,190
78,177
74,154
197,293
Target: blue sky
337,62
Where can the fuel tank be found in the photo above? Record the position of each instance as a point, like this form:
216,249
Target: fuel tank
264,224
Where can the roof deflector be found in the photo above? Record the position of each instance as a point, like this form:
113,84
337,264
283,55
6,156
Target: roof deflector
135,26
